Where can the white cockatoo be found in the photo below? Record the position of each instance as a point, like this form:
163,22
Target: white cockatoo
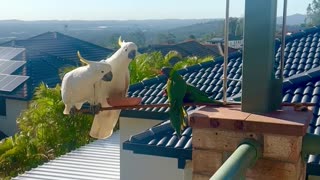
78,85
104,121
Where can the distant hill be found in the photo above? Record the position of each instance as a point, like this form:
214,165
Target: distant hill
295,19
199,30
103,32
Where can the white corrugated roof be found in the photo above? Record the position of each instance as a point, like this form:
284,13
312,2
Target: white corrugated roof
97,160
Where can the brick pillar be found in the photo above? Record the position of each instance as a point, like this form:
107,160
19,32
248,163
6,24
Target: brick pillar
218,131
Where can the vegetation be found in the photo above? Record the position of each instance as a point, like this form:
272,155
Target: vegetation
45,133
313,13
149,65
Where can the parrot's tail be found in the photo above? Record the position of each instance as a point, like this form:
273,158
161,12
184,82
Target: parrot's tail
103,124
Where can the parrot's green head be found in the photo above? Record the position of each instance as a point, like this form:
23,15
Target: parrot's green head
167,71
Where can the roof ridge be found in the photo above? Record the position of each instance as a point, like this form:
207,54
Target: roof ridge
67,36
302,33
301,78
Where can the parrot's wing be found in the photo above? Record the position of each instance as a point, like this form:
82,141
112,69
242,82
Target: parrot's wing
194,94
176,89
104,122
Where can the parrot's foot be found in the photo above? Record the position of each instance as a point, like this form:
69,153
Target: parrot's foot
95,109
73,111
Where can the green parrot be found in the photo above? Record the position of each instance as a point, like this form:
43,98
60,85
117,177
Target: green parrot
176,90
180,92
192,94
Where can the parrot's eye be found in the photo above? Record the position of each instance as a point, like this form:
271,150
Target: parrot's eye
126,49
102,71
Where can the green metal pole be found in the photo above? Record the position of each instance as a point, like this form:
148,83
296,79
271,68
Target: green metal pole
241,159
310,144
261,91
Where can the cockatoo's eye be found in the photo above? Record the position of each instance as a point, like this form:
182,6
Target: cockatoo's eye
102,71
126,49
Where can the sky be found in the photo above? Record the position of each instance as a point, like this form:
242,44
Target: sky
129,9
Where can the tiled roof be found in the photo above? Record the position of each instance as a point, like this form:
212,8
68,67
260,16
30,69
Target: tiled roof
161,140
95,161
205,76
298,87
45,55
62,46
187,48
216,48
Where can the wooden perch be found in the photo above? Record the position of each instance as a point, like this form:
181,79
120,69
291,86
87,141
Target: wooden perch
126,103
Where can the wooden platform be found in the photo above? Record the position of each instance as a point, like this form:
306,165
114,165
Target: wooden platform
285,122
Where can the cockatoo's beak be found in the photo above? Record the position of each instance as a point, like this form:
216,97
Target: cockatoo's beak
132,54
108,76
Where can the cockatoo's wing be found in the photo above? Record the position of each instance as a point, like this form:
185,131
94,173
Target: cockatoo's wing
104,122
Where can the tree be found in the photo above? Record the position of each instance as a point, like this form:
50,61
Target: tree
45,133
232,26
239,28
313,13
138,37
114,41
171,38
191,36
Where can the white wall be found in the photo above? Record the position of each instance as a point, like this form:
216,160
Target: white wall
144,167
14,108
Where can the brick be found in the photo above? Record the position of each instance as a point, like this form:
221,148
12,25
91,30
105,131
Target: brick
283,148
271,169
219,140
198,176
206,161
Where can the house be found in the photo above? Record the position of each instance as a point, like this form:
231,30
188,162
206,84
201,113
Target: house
32,61
235,43
150,148
186,49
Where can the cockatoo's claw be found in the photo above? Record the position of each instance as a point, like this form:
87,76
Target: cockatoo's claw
95,109
73,111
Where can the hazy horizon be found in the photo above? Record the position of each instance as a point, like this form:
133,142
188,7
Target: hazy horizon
126,10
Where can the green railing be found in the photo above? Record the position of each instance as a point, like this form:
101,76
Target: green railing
249,151
235,167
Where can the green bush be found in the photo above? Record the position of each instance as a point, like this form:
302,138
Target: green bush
45,133
148,65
